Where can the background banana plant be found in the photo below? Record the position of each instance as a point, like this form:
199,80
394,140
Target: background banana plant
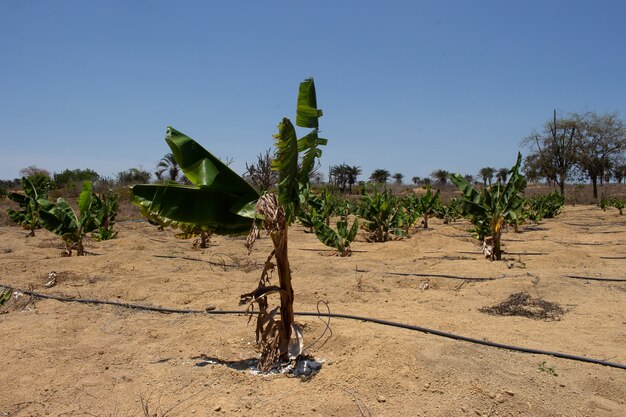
339,238
106,205
491,208
448,212
222,202
382,216
28,215
62,220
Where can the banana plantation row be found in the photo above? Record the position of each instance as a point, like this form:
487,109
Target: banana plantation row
335,221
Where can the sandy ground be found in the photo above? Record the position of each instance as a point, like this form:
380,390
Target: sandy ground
69,359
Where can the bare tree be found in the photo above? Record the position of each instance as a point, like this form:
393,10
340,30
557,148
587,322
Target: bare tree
602,141
554,150
261,174
33,170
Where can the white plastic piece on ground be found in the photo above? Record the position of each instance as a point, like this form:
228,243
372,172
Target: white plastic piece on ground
306,367
295,342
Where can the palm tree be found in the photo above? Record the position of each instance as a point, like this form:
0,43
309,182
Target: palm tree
353,173
441,176
502,174
486,174
416,180
168,163
380,176
398,178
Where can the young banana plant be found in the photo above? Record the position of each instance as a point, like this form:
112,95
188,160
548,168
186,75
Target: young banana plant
106,204
382,215
428,205
339,238
223,203
60,219
28,216
618,204
491,208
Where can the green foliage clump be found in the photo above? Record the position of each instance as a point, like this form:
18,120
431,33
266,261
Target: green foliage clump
618,204
133,176
72,177
542,207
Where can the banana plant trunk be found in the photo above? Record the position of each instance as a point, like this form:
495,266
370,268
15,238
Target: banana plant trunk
80,249
491,246
286,296
497,251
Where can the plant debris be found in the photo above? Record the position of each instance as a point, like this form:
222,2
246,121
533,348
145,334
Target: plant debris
522,304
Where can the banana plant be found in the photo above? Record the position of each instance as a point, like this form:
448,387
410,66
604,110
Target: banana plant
618,204
201,233
542,207
59,218
226,204
448,212
28,216
491,208
428,205
106,205
339,238
324,205
382,215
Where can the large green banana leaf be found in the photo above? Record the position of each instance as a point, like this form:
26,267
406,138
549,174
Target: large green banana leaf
187,206
307,113
58,218
220,200
293,174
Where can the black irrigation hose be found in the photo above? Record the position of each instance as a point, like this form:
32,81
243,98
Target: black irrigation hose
339,316
407,274
596,279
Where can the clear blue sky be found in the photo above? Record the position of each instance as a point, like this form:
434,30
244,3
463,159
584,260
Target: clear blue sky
408,86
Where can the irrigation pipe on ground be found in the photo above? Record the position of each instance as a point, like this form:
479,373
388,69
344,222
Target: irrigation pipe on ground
596,278
411,274
211,310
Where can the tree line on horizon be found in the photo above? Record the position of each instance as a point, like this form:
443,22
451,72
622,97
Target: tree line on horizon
587,147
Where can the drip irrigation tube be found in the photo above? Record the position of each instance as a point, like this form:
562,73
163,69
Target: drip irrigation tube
411,274
596,278
440,333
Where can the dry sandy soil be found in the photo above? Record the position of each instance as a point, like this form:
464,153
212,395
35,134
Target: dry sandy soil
71,359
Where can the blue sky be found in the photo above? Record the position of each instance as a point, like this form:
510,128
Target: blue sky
408,86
